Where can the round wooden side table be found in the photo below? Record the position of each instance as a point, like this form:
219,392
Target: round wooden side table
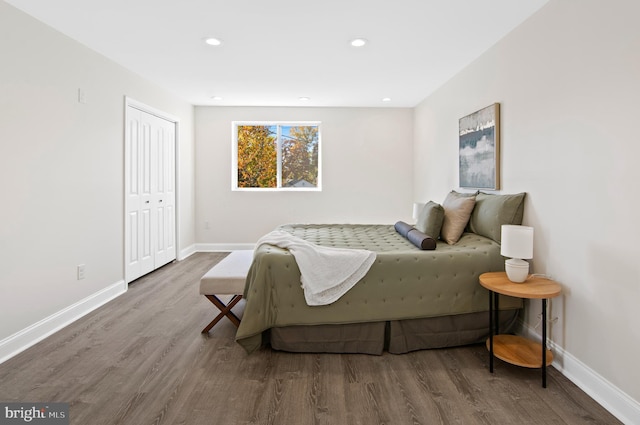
512,348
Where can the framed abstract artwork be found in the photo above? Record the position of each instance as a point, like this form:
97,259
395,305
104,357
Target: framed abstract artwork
479,149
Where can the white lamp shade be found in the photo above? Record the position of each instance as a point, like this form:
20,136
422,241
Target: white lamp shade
517,241
417,207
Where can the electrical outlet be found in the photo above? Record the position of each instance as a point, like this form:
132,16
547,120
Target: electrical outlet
81,270
207,227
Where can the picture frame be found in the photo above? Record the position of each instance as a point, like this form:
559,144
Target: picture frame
479,149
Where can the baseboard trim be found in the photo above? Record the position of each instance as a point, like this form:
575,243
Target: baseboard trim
187,252
31,335
223,247
616,401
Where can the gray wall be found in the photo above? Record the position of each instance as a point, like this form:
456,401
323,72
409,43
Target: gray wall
568,81
62,172
366,173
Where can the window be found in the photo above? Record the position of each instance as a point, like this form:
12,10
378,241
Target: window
276,156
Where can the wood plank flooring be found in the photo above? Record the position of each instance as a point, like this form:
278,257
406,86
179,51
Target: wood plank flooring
141,360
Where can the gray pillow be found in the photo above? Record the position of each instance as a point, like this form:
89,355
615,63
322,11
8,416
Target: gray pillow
430,219
492,211
421,240
457,210
403,228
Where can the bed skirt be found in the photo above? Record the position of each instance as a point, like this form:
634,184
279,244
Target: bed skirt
396,336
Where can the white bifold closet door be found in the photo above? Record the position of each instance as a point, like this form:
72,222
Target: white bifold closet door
150,223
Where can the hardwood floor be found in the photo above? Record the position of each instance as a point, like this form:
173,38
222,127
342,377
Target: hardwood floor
141,359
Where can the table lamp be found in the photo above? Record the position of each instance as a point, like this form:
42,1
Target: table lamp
517,243
417,207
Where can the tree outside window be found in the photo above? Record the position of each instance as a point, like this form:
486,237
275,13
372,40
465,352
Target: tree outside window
280,156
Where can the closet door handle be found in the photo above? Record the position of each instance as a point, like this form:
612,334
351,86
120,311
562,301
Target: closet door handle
146,202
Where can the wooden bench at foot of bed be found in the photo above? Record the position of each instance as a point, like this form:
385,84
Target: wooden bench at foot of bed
226,278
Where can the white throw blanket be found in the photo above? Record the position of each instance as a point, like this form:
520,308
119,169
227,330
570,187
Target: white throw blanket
327,273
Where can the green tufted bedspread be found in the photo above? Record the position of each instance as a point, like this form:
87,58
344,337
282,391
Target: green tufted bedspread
403,283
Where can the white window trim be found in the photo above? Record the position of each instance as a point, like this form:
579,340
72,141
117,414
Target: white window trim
234,157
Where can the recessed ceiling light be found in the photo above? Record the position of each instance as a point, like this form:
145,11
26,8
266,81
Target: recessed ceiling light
358,42
304,98
211,41
216,97
386,99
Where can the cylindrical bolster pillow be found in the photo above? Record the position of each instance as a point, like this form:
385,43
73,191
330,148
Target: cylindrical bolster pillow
421,240
403,228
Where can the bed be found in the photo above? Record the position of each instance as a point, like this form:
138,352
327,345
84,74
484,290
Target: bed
410,298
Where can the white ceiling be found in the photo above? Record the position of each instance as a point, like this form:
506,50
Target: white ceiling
276,51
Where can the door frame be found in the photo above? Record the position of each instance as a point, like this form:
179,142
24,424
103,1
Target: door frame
130,102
